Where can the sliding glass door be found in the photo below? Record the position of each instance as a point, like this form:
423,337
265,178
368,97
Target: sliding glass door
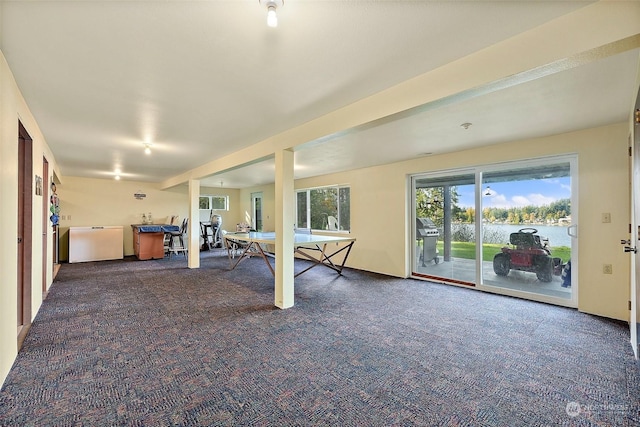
526,226
505,228
444,227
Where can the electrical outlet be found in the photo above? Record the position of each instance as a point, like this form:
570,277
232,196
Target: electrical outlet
607,269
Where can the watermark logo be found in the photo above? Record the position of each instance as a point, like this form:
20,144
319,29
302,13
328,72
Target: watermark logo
573,409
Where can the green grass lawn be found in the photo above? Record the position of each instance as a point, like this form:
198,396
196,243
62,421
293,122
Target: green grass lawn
468,250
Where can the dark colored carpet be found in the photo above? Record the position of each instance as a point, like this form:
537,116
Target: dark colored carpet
152,343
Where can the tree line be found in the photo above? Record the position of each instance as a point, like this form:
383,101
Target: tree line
430,204
529,214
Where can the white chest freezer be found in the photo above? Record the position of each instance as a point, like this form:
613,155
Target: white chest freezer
97,243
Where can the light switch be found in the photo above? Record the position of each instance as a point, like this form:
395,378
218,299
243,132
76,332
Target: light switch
606,217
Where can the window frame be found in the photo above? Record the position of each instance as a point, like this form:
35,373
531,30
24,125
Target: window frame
339,214
210,198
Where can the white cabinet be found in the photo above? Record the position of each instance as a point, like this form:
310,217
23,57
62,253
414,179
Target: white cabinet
95,243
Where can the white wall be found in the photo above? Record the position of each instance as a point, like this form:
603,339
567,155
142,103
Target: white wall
13,109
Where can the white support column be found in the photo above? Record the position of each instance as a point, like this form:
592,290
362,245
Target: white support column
193,257
284,229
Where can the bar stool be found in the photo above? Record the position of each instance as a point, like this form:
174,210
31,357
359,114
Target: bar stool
176,239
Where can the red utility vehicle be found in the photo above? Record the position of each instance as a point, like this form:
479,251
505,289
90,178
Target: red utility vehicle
528,252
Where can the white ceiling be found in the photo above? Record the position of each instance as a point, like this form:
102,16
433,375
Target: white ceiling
203,79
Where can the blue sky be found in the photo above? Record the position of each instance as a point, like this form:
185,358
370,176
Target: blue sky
518,193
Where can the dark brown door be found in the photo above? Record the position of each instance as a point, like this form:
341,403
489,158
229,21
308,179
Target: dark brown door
25,187
45,223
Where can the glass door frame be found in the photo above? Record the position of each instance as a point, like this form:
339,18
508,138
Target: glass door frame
572,159
441,176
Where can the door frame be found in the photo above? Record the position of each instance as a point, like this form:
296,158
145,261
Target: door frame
634,235
570,158
25,232
45,224
254,213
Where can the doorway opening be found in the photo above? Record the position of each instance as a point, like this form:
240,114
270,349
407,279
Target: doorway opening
256,211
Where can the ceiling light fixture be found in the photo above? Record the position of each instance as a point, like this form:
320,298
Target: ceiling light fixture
147,148
272,6
466,125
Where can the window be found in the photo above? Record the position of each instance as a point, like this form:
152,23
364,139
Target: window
220,203
325,208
